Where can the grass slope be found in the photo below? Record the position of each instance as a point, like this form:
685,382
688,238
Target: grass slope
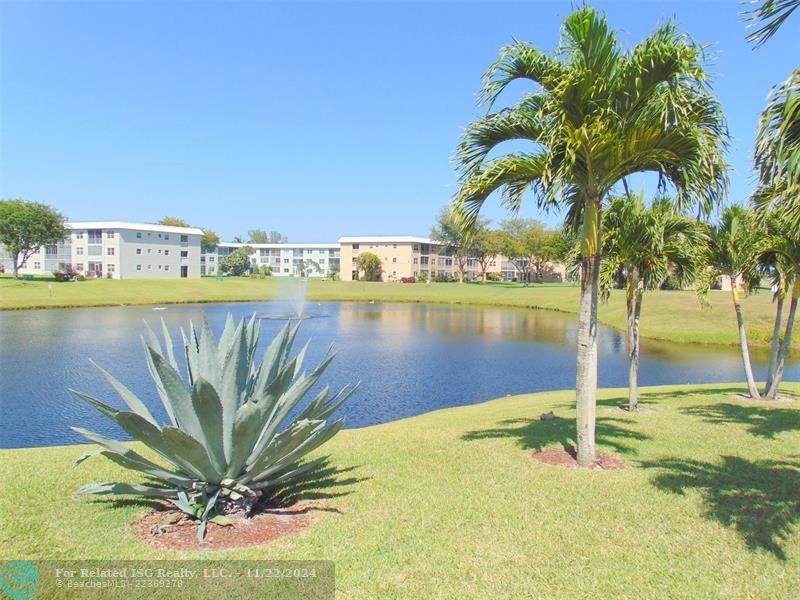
450,505
661,313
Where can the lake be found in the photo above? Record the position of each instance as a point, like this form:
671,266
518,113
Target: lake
410,359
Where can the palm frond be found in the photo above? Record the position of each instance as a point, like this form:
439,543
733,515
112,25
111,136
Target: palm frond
768,16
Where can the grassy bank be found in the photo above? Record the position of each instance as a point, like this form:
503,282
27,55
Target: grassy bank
674,316
450,505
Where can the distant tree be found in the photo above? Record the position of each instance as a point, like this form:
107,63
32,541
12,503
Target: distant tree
237,263
276,237
27,226
173,222
457,243
257,236
209,240
486,247
237,239
311,266
522,242
370,264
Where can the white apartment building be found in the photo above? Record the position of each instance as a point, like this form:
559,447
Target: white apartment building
286,260
118,250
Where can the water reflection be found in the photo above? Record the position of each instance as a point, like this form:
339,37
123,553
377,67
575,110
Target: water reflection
410,358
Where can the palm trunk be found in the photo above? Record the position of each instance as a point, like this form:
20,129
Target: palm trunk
586,372
745,348
786,345
634,313
775,347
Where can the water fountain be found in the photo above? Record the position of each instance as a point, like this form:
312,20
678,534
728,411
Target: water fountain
292,295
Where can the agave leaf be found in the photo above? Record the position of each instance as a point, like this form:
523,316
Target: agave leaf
190,352
152,437
126,489
152,339
245,431
168,345
208,408
104,408
294,472
226,339
131,459
162,392
270,364
176,395
208,364
201,531
186,447
222,520
290,342
233,384
253,332
86,455
127,396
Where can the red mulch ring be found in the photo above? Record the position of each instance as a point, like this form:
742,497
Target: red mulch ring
567,458
154,528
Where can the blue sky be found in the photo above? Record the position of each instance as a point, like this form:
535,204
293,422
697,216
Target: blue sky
315,119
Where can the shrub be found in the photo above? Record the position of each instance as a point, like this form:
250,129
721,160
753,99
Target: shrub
408,280
237,434
80,277
60,275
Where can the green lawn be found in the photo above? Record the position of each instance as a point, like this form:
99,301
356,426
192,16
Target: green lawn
674,316
450,505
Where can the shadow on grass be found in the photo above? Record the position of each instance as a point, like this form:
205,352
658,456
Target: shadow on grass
759,499
646,398
535,434
760,420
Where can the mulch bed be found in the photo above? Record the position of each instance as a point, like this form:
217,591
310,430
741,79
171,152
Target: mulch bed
260,529
567,458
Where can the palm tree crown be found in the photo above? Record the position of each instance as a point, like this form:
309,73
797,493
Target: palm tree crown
599,114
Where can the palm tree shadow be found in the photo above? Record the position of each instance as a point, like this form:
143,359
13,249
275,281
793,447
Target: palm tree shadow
761,421
759,499
535,434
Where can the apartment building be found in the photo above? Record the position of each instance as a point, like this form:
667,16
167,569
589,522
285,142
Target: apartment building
286,260
118,250
401,256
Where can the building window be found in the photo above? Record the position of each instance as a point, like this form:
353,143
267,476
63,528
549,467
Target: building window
110,234
184,238
110,251
79,251
138,267
286,270
149,251
37,265
160,267
79,266
138,251
416,260
79,235
159,236
159,250
355,246
416,248
210,258
149,267
166,236
138,234
51,249
286,260
110,267
166,252
394,259
394,245
166,267
185,253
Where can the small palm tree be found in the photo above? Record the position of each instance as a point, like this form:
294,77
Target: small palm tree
598,115
646,245
781,255
778,151
733,251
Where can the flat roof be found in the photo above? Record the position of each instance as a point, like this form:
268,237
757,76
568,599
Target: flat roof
133,226
385,239
287,245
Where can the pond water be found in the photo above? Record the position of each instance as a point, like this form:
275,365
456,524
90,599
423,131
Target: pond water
410,359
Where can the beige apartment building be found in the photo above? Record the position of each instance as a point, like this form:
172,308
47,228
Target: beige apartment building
118,250
401,256
408,256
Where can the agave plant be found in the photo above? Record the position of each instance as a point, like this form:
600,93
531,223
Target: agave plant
237,432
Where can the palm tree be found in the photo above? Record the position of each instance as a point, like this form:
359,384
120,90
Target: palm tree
781,254
646,245
778,151
733,251
768,16
598,115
